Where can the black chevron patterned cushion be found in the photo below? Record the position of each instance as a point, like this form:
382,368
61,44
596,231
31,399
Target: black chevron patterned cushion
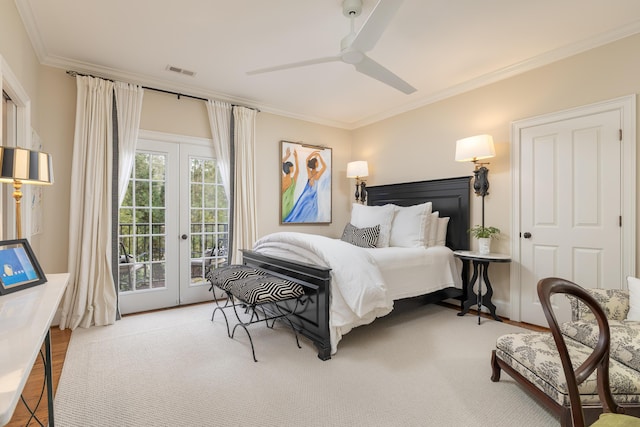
260,290
225,277
362,237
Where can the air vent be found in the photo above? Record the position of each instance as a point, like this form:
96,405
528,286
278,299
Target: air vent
181,71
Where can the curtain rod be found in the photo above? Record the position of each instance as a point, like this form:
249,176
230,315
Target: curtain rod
177,94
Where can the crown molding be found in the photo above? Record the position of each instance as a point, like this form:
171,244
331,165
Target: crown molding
26,14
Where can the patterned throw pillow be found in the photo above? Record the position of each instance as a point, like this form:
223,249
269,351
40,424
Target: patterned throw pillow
363,237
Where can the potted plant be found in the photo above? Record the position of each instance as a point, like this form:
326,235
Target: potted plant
484,235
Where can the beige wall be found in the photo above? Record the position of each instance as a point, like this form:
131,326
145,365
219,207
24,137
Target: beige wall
166,113
427,135
57,111
16,49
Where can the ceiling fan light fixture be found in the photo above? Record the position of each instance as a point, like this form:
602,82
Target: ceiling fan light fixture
352,8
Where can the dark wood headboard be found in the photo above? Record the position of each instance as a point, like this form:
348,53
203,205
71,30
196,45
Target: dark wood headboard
449,196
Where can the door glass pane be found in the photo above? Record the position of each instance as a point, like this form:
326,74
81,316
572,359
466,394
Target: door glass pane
209,231
142,229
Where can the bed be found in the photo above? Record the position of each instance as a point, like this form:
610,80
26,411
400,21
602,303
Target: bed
450,197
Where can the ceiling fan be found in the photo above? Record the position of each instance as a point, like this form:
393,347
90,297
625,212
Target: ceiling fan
354,45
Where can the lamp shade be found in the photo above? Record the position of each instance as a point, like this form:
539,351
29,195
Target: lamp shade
26,166
475,148
357,169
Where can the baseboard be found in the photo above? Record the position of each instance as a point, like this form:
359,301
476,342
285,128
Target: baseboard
503,308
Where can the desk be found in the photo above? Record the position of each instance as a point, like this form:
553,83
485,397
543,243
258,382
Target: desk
25,319
480,274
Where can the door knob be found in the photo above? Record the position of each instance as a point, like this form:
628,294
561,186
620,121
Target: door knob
184,237
527,235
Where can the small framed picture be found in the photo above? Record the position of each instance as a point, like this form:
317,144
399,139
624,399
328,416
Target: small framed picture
19,268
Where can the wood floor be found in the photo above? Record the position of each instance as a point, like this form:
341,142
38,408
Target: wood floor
31,393
60,343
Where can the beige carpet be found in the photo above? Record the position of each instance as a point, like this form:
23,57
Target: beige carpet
419,366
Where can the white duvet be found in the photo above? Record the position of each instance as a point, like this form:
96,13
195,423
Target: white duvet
409,272
358,291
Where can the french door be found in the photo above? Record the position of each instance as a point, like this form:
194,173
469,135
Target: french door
173,226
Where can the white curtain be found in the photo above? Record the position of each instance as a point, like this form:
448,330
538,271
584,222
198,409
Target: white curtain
245,223
220,123
90,298
129,108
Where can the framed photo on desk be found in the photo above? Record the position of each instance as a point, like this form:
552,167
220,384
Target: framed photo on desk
19,268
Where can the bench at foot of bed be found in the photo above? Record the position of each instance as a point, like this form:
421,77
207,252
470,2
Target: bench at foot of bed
257,293
312,320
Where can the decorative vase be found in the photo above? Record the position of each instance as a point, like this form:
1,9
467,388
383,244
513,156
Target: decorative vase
484,245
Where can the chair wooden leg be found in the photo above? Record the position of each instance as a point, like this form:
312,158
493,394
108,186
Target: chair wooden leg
495,367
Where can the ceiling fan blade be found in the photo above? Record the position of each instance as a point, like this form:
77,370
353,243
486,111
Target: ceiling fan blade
375,25
372,69
295,65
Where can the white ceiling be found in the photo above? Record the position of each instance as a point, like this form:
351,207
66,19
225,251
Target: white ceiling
441,47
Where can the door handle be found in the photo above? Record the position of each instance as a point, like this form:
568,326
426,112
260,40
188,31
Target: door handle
527,235
184,237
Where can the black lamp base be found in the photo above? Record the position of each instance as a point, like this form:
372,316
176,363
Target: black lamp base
481,182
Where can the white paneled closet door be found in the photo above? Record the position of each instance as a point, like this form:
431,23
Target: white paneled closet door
571,176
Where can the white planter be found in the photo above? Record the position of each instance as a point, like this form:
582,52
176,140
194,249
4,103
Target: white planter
484,245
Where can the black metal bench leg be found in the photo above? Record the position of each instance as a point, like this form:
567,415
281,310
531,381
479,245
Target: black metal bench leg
253,351
225,319
221,308
285,316
295,333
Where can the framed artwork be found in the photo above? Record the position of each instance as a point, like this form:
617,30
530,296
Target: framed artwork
305,178
19,268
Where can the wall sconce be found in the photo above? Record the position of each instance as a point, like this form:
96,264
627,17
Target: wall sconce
358,170
21,166
472,149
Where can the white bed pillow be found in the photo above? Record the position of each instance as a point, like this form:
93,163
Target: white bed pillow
409,226
369,216
634,298
441,235
432,234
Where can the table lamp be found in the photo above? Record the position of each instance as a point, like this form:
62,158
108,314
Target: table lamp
21,166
